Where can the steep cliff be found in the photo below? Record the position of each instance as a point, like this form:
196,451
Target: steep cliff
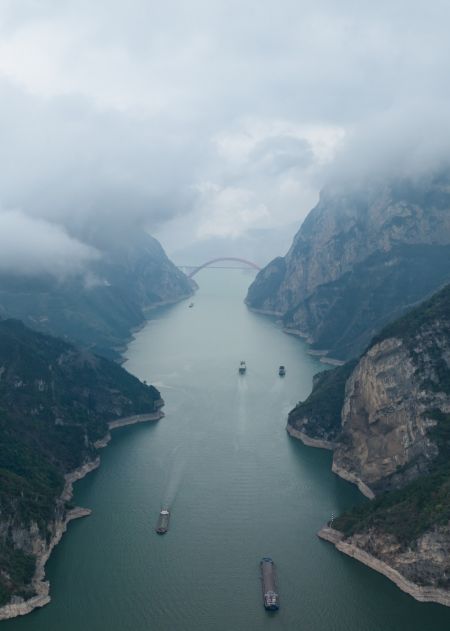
388,420
56,405
363,256
99,307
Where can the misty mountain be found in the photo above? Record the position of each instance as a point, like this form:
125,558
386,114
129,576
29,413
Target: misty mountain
99,306
362,257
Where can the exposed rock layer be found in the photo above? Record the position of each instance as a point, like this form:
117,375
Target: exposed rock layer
405,569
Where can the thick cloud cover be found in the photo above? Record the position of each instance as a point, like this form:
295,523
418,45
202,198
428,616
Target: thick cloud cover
205,120
35,247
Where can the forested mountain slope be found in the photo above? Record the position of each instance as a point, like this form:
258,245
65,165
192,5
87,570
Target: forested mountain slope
56,403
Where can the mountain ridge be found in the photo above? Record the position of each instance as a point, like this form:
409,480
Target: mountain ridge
362,257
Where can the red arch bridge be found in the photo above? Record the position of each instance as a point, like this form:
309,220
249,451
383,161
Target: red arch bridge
192,271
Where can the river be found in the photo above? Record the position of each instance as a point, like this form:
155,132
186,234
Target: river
238,487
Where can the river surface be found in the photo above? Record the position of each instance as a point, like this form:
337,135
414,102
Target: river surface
238,487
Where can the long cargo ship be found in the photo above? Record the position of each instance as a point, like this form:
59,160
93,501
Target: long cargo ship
269,584
163,522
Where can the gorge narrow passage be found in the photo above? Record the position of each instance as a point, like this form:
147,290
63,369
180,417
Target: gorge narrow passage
238,489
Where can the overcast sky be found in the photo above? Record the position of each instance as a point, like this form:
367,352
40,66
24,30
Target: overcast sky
205,119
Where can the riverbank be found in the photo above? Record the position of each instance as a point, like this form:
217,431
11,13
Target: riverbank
309,442
277,314
130,420
119,349
419,592
167,303
350,547
324,359
319,443
353,479
20,607
323,354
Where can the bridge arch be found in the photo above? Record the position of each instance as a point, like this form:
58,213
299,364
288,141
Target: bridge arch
223,258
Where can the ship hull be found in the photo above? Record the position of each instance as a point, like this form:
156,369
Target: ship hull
163,523
269,585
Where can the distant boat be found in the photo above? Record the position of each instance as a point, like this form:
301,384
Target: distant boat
281,371
242,368
163,522
269,586
191,304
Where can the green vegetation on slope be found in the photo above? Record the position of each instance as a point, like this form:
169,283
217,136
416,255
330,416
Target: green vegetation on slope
406,513
55,402
323,406
411,511
436,309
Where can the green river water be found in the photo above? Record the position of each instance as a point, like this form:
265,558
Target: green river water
238,487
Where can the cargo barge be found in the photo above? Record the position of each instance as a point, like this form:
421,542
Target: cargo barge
269,585
163,522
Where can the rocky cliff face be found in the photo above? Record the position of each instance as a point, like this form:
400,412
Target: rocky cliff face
387,413
387,417
56,404
362,257
101,306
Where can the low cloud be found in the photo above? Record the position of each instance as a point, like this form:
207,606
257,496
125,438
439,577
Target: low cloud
209,119
33,247
408,140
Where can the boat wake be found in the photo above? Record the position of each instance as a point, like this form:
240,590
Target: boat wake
175,470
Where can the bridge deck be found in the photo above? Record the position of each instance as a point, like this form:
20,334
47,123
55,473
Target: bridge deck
210,263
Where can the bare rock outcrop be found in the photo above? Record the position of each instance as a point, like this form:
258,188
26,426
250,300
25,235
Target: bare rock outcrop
385,440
